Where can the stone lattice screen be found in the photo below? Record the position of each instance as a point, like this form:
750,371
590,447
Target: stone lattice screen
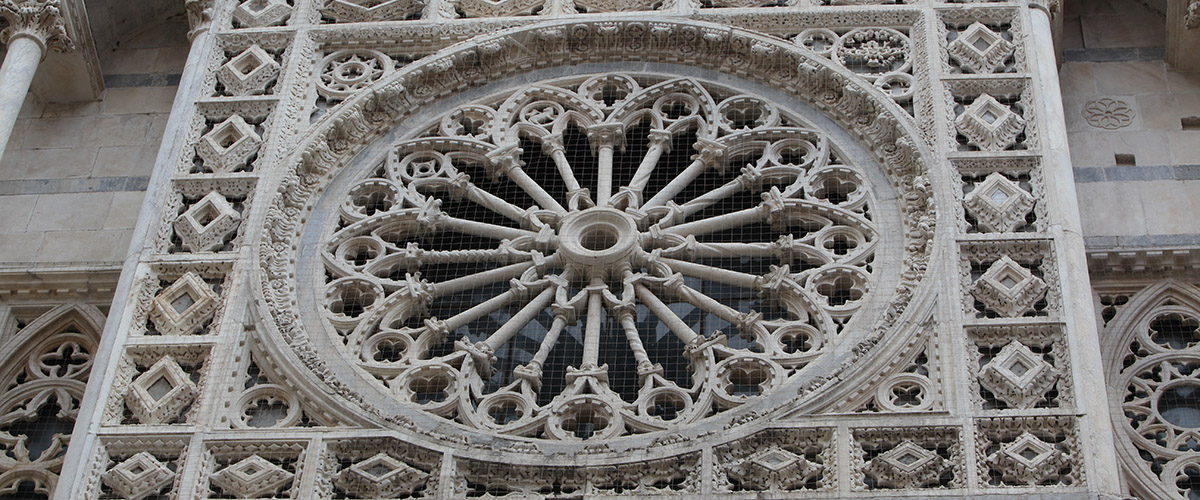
529,249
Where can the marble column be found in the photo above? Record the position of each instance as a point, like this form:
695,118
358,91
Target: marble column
34,26
1096,435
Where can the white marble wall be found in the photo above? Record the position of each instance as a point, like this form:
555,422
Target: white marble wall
1113,50
74,174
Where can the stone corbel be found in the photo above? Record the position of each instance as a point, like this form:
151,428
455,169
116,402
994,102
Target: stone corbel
1191,19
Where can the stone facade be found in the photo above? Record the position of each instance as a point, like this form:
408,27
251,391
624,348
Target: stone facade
551,249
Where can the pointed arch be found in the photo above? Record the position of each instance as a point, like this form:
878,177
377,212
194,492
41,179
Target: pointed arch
44,372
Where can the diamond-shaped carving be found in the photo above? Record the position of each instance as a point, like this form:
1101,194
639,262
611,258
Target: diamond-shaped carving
999,204
1027,460
160,394
1008,288
989,125
252,477
205,224
775,468
138,477
228,145
353,11
381,476
980,49
906,466
183,307
249,72
256,13
1018,376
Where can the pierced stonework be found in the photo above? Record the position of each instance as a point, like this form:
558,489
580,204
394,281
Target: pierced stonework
778,460
882,56
1028,451
161,393
378,467
906,466
259,13
907,458
229,145
353,11
185,306
381,476
252,477
139,476
1020,366
1018,376
248,73
43,382
1008,288
1108,113
347,71
980,50
574,283
385,261
206,224
999,204
989,124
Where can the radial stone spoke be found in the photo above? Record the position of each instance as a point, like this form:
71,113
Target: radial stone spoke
666,315
518,175
496,204
519,320
677,184
591,338
734,278
476,280
629,324
484,229
724,250
718,223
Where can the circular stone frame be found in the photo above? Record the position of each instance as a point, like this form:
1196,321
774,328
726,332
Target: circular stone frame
336,138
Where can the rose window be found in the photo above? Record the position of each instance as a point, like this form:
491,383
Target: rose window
598,256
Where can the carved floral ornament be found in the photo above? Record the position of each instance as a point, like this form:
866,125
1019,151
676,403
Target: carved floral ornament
40,20
565,248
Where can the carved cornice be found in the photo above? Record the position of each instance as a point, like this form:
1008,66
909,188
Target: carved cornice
40,20
1144,263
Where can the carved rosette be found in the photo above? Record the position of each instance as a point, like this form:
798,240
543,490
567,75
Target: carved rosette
40,20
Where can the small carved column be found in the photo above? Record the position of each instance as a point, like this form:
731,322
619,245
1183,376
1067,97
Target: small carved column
33,27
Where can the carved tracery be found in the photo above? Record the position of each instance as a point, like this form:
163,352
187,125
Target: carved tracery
1154,385
567,219
43,382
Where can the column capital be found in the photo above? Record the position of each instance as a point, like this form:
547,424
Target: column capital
40,20
1192,16
199,14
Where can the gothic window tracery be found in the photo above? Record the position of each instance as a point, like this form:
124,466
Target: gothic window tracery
1155,389
42,394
